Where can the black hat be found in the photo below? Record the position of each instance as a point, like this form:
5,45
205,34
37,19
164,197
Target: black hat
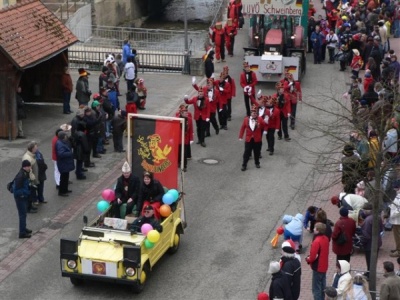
26,163
148,207
330,291
344,212
348,150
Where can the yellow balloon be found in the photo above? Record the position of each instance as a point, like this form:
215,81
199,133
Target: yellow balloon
153,236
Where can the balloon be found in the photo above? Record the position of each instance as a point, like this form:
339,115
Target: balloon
165,210
153,236
146,228
168,198
148,244
175,193
280,230
102,205
274,241
108,195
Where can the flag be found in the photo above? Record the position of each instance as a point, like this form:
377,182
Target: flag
155,146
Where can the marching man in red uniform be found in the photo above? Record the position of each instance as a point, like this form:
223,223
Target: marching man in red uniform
224,91
230,33
293,89
283,103
253,126
232,93
210,91
272,117
248,81
188,135
218,38
201,113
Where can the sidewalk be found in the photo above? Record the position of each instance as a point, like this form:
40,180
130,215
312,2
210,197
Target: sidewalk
322,200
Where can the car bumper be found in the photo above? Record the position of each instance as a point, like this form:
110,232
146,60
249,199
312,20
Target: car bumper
100,278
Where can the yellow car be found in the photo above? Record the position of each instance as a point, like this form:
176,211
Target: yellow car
118,255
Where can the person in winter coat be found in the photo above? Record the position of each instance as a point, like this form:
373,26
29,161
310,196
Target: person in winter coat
42,167
293,229
366,229
357,289
230,33
21,195
81,149
83,92
347,226
151,193
67,88
218,38
118,128
342,278
310,218
65,162
291,268
148,218
54,158
126,191
280,287
319,261
390,287
351,201
30,155
321,217
368,79
351,165
356,63
293,90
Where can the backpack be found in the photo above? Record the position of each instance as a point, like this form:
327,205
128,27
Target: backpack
10,186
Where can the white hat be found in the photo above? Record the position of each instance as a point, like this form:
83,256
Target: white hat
65,127
356,52
274,267
126,168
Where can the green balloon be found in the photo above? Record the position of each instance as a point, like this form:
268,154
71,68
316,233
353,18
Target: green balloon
148,244
174,193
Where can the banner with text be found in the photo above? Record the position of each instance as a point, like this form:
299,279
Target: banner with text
273,7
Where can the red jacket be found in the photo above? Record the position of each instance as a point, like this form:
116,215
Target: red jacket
233,86
215,101
294,91
258,130
319,254
253,81
200,112
223,95
348,225
274,117
53,148
287,109
367,82
228,30
188,127
218,36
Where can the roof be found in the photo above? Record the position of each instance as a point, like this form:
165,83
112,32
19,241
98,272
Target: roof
30,33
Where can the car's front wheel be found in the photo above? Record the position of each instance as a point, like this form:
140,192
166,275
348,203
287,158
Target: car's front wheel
144,275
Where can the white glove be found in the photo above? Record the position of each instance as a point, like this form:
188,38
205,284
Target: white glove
221,89
191,142
249,89
264,132
212,76
288,115
246,88
240,139
220,110
193,80
186,97
207,120
259,94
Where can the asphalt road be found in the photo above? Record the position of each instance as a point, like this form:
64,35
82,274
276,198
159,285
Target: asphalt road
231,215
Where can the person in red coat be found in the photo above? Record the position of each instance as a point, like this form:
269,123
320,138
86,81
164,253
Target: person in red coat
232,93
201,113
233,11
248,81
188,135
283,103
253,126
210,91
319,260
273,119
348,226
218,38
224,91
230,33
293,89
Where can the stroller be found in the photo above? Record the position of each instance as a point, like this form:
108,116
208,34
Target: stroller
358,240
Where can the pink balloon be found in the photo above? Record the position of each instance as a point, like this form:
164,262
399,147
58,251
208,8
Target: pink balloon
146,228
108,195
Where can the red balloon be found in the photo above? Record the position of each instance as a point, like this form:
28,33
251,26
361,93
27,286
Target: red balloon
280,230
108,195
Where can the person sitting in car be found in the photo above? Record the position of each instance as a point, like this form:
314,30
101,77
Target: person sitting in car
147,218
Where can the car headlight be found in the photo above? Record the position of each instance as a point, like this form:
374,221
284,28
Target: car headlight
130,271
71,264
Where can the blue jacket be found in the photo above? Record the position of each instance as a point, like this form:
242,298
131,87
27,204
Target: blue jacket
318,37
308,217
65,157
21,185
126,52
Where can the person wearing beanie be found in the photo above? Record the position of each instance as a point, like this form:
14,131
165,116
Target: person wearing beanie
291,268
126,192
22,193
319,260
262,296
83,92
279,288
347,227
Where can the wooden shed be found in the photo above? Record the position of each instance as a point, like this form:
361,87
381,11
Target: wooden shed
33,52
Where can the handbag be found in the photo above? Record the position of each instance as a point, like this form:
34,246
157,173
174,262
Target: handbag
341,239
